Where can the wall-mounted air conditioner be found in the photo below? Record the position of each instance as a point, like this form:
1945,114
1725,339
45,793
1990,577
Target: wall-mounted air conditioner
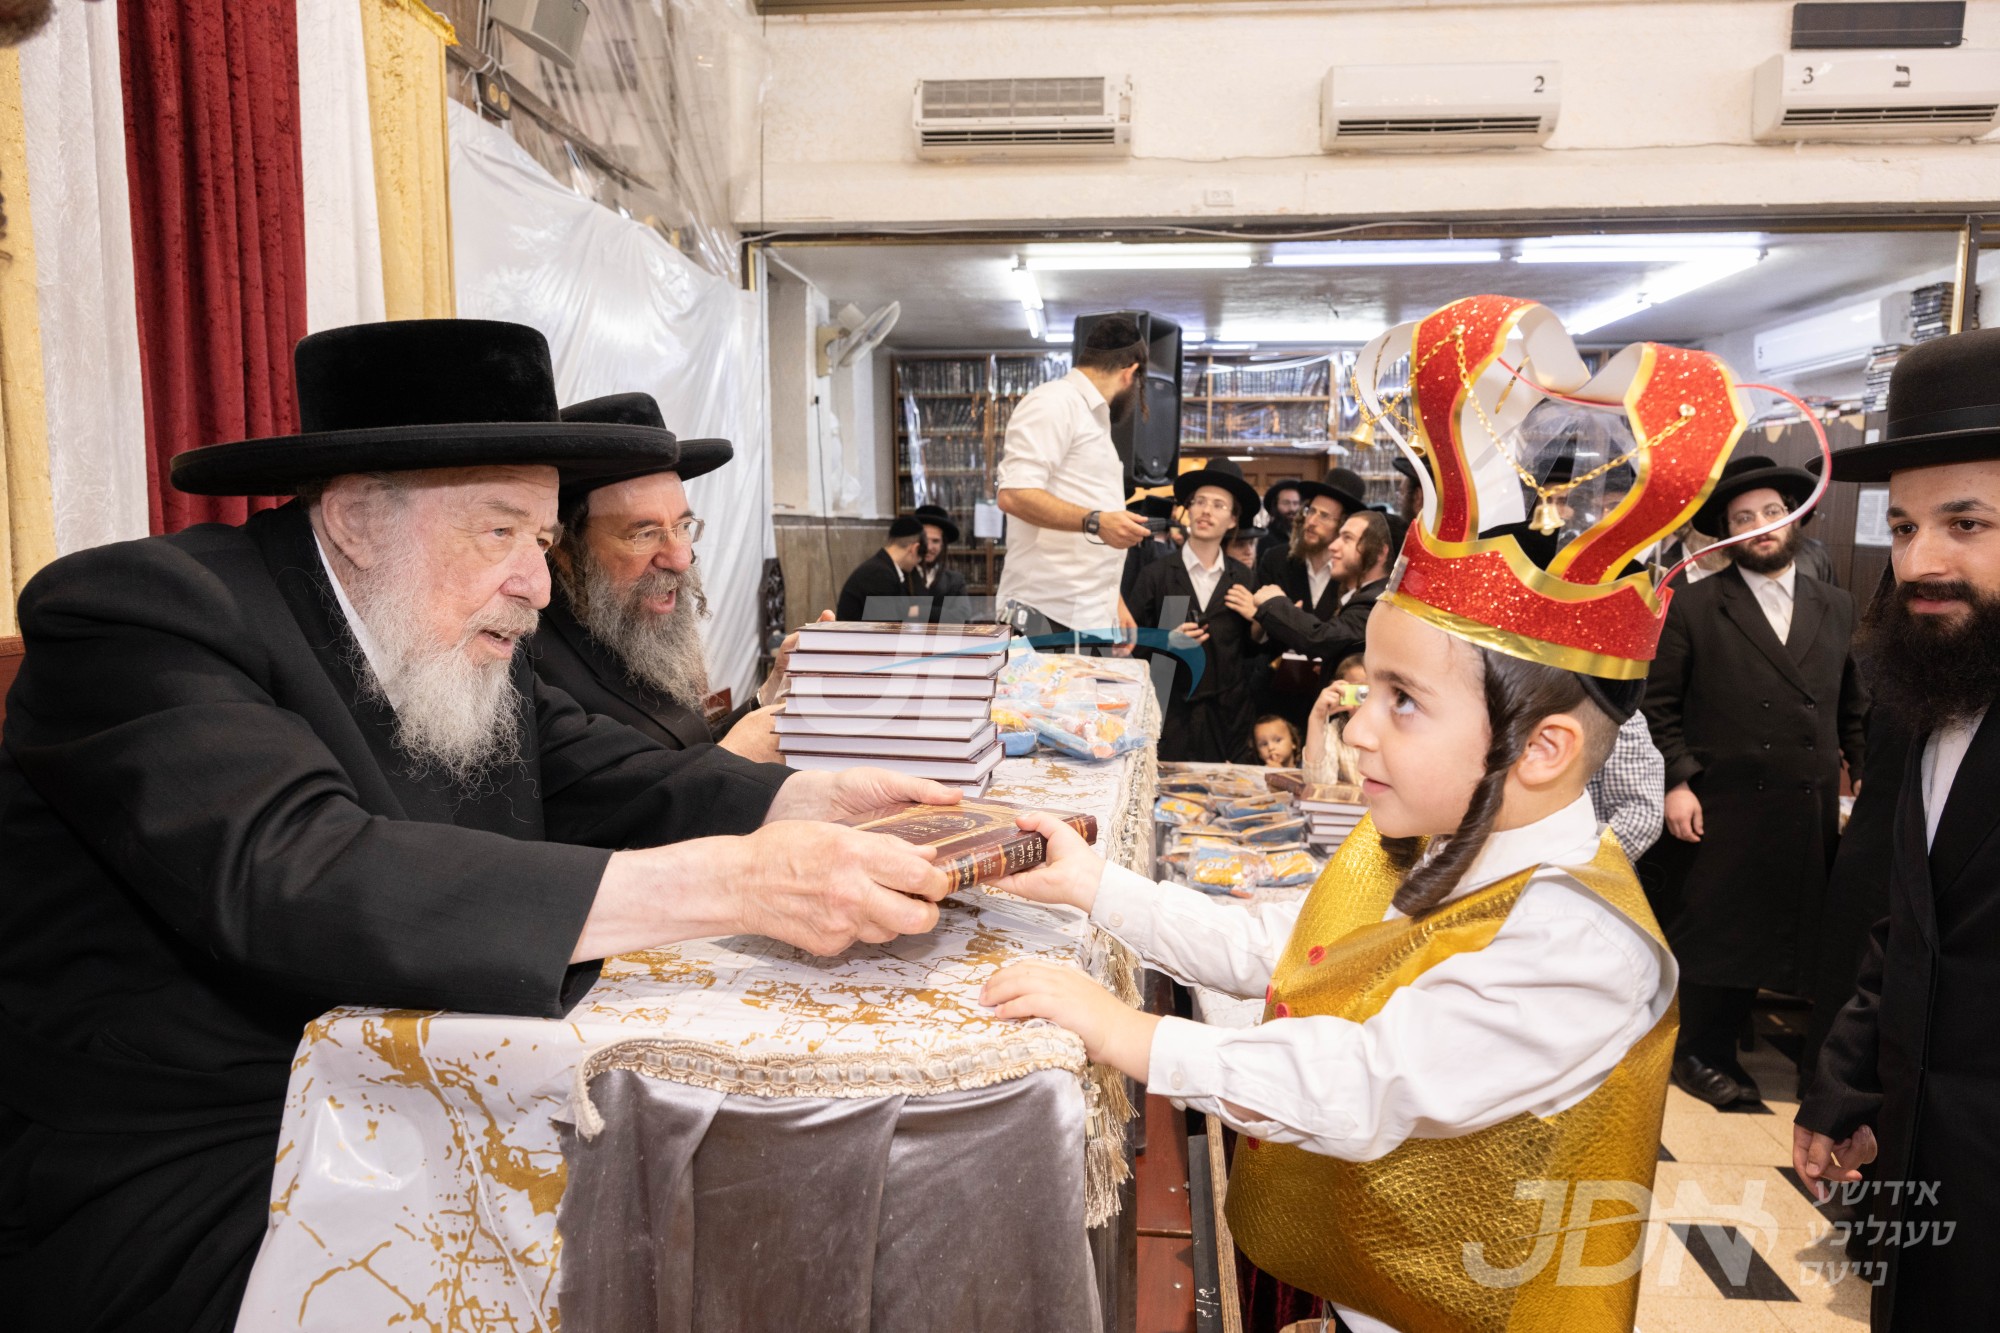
1932,94
1837,338
999,119
1370,108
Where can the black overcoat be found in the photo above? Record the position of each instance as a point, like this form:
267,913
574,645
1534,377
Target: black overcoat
1276,566
1212,722
1913,1057
567,656
208,839
1757,729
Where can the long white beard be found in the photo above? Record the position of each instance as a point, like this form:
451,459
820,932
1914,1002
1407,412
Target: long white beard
455,716
661,651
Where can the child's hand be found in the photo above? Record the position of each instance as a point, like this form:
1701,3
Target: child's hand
1112,1032
1070,873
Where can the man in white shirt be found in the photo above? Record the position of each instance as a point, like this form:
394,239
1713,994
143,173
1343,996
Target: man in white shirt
1753,701
1062,486
1908,1066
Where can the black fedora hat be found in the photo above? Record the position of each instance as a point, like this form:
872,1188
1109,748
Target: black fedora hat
1343,486
1225,473
421,393
938,517
1748,473
636,409
1944,407
1271,493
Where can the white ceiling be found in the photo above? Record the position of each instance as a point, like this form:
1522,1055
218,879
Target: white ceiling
964,296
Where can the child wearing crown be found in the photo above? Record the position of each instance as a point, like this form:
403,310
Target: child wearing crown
1452,1108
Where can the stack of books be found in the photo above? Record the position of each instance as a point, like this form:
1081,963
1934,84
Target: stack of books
917,699
1930,312
1875,377
1332,809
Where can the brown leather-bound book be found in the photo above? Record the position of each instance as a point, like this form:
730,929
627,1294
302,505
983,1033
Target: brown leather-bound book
977,841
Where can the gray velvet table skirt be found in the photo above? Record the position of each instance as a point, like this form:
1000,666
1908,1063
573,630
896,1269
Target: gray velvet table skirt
700,1212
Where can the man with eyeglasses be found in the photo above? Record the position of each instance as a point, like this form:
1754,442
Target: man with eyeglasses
622,633
1753,702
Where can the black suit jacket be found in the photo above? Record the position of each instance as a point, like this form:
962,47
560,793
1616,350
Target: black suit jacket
209,839
1208,720
941,600
1328,639
567,657
1912,1054
1757,729
874,578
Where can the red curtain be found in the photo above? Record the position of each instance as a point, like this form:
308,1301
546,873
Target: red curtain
218,230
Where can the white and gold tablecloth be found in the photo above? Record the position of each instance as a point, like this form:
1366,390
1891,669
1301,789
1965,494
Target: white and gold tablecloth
420,1166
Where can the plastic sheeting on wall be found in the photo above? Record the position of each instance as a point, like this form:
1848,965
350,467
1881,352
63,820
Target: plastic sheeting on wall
623,310
75,113
343,233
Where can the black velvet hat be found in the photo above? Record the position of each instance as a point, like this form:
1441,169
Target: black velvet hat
1343,486
1225,473
422,393
1748,473
636,409
938,517
1944,407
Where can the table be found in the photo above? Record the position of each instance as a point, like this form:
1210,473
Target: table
473,1172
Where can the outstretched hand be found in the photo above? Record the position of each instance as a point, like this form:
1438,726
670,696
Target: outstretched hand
1113,1033
1069,873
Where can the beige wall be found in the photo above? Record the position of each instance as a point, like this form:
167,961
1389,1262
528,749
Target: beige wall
1656,116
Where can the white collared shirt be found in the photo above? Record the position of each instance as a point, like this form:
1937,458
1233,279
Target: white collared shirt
1774,596
1318,576
1534,1022
1059,441
1203,578
1943,753
371,652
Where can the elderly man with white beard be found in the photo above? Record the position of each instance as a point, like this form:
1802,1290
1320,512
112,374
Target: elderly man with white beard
251,773
622,634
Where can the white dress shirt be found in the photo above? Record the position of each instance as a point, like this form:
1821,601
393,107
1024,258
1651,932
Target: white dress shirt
1774,595
371,652
1204,577
1943,753
1317,577
1059,441
1533,1022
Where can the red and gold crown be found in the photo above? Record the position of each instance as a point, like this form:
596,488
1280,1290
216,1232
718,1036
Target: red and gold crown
1476,369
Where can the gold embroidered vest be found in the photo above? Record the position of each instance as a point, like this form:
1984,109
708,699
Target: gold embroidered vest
1532,1224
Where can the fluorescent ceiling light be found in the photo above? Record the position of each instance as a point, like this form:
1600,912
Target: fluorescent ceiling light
1038,324
1297,331
1060,337
1649,248
1114,258
1336,257
1660,288
1024,287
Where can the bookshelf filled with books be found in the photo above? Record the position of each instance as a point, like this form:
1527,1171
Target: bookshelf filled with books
951,411
1298,406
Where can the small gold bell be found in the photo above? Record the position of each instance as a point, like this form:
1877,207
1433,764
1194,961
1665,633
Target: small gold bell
1548,519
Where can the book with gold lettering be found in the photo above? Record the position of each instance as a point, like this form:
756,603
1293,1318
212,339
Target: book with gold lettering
977,841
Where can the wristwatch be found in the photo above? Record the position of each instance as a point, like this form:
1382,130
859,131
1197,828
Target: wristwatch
1090,522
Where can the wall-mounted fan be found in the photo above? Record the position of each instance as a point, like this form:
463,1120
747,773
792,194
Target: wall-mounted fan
853,335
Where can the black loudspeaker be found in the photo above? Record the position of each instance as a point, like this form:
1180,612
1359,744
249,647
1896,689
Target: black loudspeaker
1149,438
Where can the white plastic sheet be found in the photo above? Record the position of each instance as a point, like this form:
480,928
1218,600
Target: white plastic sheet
623,310
343,230
74,105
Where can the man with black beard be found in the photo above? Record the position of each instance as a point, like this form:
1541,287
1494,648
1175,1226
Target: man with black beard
1753,701
622,634
1908,1078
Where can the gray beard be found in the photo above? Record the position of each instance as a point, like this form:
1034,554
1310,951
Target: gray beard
663,652
456,718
